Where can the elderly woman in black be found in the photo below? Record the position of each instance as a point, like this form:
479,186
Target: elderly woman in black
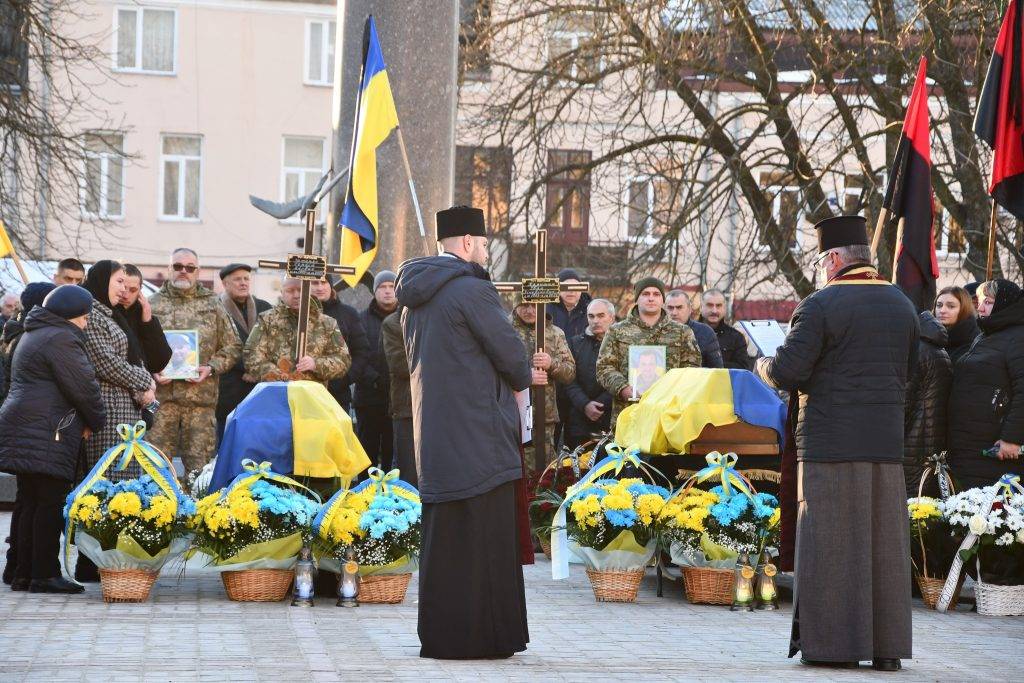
54,402
986,406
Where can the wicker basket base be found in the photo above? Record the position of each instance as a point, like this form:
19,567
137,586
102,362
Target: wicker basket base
257,585
545,545
999,601
126,585
615,586
709,586
931,589
388,589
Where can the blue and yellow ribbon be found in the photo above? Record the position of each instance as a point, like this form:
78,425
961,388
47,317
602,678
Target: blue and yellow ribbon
720,467
383,484
1009,486
132,447
252,472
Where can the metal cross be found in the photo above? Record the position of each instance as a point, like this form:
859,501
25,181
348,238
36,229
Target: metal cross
540,291
307,267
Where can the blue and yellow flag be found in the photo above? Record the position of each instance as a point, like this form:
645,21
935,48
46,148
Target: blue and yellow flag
376,117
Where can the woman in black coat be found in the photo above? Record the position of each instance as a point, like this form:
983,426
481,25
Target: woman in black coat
149,340
955,310
54,403
924,431
986,406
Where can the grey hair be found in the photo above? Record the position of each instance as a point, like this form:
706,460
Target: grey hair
676,293
184,250
854,253
712,292
608,304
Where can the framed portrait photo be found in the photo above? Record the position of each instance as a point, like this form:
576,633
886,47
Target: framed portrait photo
647,364
184,354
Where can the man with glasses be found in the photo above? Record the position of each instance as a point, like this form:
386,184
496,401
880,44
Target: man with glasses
186,424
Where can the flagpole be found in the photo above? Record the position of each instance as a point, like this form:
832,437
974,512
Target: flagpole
883,216
990,261
412,191
896,249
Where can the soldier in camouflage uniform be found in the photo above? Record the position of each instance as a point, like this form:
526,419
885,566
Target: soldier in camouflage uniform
557,360
273,340
646,325
186,424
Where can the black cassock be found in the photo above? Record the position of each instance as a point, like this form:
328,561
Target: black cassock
472,600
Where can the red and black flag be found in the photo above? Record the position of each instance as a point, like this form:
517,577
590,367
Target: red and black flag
999,122
908,199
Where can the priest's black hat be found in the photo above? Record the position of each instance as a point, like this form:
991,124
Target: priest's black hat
841,231
458,221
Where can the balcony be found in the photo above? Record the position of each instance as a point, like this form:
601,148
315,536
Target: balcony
602,262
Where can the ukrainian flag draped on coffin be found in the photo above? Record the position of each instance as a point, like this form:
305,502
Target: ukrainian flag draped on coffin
375,119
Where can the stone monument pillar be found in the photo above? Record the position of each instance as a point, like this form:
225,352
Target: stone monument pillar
420,41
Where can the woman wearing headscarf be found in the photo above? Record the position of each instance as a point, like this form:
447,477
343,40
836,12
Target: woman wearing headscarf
955,310
986,406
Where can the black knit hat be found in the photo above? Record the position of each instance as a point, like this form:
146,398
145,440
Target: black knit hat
650,281
568,274
841,231
1007,294
34,293
458,221
68,301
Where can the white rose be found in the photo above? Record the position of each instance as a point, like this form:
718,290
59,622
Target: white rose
1020,536
978,525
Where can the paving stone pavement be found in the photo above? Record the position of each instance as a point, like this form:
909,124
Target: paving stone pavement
190,631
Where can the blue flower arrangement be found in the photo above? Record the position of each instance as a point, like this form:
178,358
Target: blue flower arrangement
743,523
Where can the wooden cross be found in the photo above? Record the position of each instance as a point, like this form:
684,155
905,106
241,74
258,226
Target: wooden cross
307,267
540,290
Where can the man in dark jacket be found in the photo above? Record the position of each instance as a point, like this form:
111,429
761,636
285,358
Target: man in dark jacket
146,327
351,328
731,342
371,397
849,351
590,410
570,316
54,403
400,400
244,310
465,365
924,432
677,303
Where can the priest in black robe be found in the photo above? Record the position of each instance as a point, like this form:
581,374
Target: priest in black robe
465,363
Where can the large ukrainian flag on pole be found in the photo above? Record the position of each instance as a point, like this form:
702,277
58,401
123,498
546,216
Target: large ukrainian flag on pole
375,119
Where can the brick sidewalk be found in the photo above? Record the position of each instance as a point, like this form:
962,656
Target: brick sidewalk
189,631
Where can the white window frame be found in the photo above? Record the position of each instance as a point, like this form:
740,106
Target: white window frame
301,170
180,158
649,180
574,38
775,192
326,64
139,9
104,158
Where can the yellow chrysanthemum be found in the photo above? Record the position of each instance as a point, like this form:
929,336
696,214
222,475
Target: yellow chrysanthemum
586,510
160,511
648,505
618,499
125,504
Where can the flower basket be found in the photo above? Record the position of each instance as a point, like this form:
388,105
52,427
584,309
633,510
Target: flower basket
999,601
615,585
708,585
379,522
545,545
931,589
548,488
257,585
126,585
384,589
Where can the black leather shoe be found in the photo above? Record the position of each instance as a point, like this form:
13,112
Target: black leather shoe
830,665
886,664
57,584
20,584
8,573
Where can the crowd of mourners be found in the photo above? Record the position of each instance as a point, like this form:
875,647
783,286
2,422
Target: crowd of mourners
87,352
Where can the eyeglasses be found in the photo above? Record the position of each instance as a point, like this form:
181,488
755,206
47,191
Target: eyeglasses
820,258
188,268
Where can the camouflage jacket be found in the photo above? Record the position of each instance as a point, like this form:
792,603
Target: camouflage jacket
273,339
680,345
563,367
219,346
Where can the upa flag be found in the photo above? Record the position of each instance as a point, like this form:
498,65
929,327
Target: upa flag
999,122
909,199
376,117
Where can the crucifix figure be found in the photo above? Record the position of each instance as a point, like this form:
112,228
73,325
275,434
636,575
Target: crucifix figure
539,291
307,267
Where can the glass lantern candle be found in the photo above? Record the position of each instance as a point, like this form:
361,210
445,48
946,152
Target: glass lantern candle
348,587
767,593
743,594
302,593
